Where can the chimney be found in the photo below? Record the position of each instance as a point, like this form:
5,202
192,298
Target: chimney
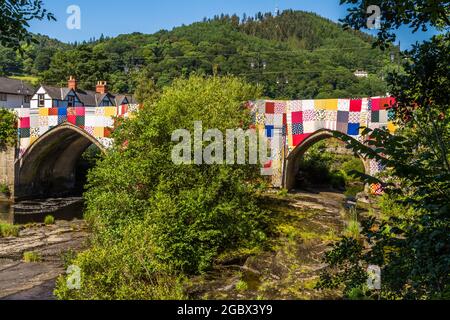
72,83
101,87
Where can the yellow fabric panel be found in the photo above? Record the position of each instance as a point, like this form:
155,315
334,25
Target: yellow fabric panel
33,140
110,111
43,111
326,104
331,104
319,104
290,140
99,132
259,128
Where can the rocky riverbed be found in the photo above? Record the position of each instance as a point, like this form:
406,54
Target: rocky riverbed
305,225
22,280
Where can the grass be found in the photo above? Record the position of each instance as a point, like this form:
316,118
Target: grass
282,192
30,257
241,286
353,227
33,80
294,233
49,220
8,230
68,257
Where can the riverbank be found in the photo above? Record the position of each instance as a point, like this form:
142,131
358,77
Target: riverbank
35,281
305,225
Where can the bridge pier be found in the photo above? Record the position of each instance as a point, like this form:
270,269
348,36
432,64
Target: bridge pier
8,172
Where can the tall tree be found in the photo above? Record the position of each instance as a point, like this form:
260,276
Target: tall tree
8,131
15,18
412,247
415,14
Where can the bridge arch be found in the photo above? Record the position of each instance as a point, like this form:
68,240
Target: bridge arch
48,165
292,165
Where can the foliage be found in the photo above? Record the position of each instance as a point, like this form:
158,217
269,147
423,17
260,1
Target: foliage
8,230
412,249
49,220
31,257
416,14
15,18
241,285
306,56
352,230
345,270
123,270
391,208
4,188
8,131
324,164
153,219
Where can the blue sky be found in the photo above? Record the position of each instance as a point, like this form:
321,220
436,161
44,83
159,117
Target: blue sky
115,17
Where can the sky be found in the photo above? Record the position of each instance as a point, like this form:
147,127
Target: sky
114,17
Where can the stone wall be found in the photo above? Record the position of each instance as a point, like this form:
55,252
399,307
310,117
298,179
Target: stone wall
7,169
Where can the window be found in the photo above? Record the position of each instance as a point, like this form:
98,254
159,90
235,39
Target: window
107,102
27,99
3,97
41,100
70,101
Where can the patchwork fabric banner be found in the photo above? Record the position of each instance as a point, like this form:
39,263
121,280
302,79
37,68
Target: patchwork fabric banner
299,119
96,121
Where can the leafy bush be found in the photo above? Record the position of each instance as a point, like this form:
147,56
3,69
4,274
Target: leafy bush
123,270
411,245
241,285
170,218
320,165
390,207
5,189
8,131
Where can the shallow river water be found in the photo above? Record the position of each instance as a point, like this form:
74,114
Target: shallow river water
36,210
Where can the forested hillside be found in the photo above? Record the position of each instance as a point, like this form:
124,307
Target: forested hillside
293,55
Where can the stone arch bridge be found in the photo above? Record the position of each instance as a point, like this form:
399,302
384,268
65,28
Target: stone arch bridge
301,123
51,140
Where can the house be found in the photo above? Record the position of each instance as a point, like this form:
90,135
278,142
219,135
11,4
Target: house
15,93
72,96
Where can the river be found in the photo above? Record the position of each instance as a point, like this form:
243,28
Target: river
31,211
24,281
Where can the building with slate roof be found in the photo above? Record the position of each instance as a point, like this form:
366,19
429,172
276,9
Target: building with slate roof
15,93
72,96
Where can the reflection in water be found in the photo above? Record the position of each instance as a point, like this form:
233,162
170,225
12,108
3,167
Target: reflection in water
6,214
36,210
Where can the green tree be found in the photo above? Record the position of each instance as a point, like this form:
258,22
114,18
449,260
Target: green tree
308,57
8,129
15,18
151,217
413,249
415,14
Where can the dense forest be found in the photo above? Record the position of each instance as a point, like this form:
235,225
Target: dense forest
292,54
